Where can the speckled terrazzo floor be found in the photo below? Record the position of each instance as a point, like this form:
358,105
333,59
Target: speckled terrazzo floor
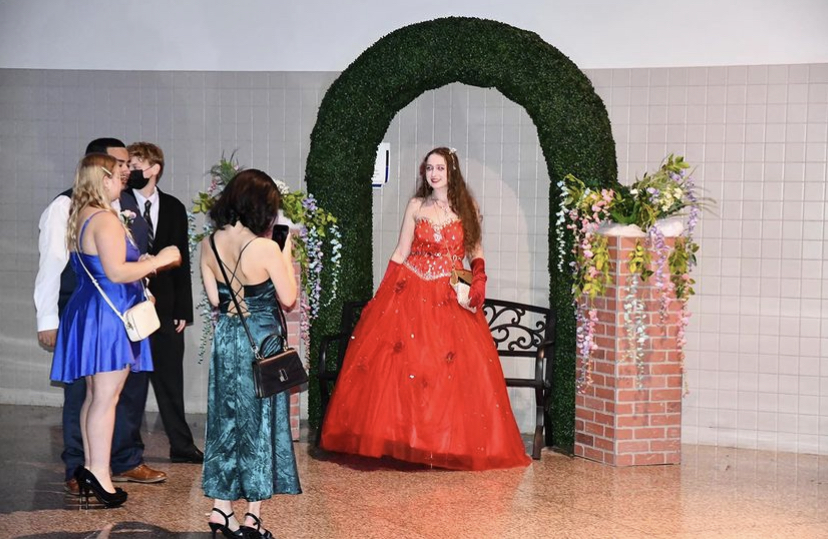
713,493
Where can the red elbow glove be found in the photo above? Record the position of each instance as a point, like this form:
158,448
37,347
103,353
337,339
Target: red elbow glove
477,291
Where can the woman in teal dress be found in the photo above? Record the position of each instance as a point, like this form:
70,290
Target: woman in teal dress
248,448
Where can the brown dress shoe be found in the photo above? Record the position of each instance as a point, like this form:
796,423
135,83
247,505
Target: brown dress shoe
71,487
140,474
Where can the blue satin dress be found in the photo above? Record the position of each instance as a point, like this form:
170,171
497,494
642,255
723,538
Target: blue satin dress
248,451
91,337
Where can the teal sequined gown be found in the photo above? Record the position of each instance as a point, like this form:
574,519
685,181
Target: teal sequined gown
248,449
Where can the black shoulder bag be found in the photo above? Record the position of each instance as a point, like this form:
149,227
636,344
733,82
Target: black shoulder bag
272,373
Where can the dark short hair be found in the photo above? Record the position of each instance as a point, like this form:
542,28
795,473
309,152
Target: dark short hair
100,145
251,198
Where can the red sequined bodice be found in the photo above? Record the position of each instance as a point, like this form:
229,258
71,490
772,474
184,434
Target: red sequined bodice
436,249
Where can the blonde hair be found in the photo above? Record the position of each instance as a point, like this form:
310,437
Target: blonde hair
89,191
152,154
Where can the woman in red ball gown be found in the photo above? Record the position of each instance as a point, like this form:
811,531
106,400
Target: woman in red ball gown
421,380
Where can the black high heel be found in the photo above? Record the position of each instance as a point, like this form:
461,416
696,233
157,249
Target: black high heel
87,482
255,533
225,530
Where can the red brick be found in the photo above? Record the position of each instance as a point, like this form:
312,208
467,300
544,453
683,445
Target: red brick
658,382
665,369
646,459
653,433
593,454
675,381
594,404
627,382
666,394
584,439
633,446
606,343
604,419
624,460
622,409
594,428
649,408
605,367
674,432
672,458
632,395
627,369
624,434
665,445
584,413
662,343
665,419
632,421
672,407
655,357
603,393
604,444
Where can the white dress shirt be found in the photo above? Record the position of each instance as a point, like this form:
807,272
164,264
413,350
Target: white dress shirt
155,200
53,258
54,255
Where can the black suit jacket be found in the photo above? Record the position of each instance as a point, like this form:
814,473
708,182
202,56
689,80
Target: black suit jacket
173,288
138,228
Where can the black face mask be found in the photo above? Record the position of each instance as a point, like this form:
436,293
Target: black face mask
137,180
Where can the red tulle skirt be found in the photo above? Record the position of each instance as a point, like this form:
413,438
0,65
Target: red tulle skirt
422,382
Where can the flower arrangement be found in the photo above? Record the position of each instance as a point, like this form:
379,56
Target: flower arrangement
316,227
667,192
127,217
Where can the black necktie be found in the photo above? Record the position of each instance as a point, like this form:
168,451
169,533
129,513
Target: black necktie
148,219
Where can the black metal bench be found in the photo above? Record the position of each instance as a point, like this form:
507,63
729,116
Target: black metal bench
519,331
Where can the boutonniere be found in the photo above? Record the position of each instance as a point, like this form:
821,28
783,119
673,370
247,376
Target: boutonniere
127,217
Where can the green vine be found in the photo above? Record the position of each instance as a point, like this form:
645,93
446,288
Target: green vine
640,261
680,261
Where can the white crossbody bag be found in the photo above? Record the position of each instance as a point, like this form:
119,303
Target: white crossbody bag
140,320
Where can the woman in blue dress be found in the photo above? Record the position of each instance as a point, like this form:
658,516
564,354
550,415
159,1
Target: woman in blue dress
248,451
92,341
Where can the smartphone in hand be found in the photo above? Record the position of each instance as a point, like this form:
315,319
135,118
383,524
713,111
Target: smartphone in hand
280,233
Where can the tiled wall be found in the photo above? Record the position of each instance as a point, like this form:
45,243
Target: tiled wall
758,341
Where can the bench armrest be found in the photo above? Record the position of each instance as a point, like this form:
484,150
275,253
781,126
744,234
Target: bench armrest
322,364
540,359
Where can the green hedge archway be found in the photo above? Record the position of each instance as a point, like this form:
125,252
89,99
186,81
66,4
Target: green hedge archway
573,130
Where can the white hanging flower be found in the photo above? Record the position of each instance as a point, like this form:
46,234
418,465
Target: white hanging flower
282,187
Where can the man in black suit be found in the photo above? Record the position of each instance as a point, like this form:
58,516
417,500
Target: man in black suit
166,217
54,284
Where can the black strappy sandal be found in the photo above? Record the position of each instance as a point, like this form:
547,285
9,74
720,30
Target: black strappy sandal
255,533
225,530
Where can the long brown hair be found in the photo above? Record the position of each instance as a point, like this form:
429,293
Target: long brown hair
89,190
460,198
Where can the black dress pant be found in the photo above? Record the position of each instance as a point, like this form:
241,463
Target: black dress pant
167,380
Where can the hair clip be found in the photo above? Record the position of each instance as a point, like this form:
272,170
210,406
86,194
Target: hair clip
453,152
107,172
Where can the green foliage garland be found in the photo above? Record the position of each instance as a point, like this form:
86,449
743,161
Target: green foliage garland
573,131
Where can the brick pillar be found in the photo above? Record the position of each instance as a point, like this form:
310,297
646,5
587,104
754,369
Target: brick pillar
620,420
295,340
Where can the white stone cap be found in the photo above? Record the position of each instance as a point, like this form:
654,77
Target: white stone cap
671,228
